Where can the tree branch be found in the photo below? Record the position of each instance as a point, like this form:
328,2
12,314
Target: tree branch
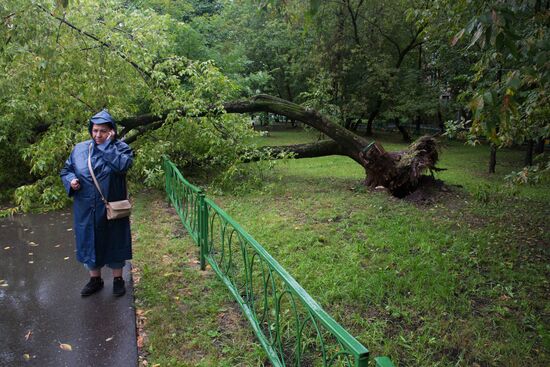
141,130
391,40
354,15
144,74
92,109
351,143
319,149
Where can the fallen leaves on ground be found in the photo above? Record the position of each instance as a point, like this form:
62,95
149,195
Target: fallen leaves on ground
66,347
140,341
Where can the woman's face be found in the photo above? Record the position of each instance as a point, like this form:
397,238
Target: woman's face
100,133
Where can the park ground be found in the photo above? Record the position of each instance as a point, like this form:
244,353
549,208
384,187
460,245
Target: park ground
461,279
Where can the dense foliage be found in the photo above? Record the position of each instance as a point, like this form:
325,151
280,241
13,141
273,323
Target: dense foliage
63,64
367,64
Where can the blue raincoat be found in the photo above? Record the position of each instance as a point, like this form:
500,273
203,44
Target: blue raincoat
99,241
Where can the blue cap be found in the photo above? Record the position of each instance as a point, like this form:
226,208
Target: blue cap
102,117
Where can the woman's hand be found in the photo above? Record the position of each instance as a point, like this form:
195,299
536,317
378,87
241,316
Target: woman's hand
75,184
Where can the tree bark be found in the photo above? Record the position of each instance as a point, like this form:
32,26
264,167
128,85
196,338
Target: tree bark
493,159
373,115
440,122
404,133
529,153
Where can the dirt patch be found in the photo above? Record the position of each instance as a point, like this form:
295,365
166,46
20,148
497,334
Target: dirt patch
431,191
179,232
230,319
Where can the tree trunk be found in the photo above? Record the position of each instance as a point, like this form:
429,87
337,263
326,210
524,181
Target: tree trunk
368,132
529,153
351,143
539,147
355,125
493,158
373,115
348,123
319,149
406,137
399,172
417,122
440,122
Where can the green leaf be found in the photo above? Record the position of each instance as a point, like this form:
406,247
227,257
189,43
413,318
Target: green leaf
314,6
488,98
470,27
511,45
476,36
62,3
499,42
514,81
487,39
212,333
457,37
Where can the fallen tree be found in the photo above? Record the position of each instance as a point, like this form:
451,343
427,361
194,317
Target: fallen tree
399,172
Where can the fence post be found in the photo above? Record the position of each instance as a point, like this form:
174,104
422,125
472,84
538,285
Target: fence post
203,230
167,174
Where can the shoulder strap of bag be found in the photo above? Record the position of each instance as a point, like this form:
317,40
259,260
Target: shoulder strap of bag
92,172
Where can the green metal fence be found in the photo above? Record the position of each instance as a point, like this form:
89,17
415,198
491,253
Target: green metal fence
292,328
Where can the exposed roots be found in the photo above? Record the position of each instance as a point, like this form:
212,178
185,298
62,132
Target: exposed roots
400,172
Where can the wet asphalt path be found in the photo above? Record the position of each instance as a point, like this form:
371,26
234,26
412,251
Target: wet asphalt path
43,319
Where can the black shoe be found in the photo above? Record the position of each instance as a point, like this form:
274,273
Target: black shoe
95,284
119,289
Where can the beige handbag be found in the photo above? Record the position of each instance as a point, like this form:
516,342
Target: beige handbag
115,209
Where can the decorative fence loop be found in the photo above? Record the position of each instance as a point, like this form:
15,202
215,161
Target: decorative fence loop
291,327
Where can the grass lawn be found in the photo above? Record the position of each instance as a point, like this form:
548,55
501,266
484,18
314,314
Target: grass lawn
463,281
185,317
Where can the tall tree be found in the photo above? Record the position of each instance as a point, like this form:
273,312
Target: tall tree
509,89
63,64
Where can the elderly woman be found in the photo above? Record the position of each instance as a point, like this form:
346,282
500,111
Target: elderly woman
99,241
